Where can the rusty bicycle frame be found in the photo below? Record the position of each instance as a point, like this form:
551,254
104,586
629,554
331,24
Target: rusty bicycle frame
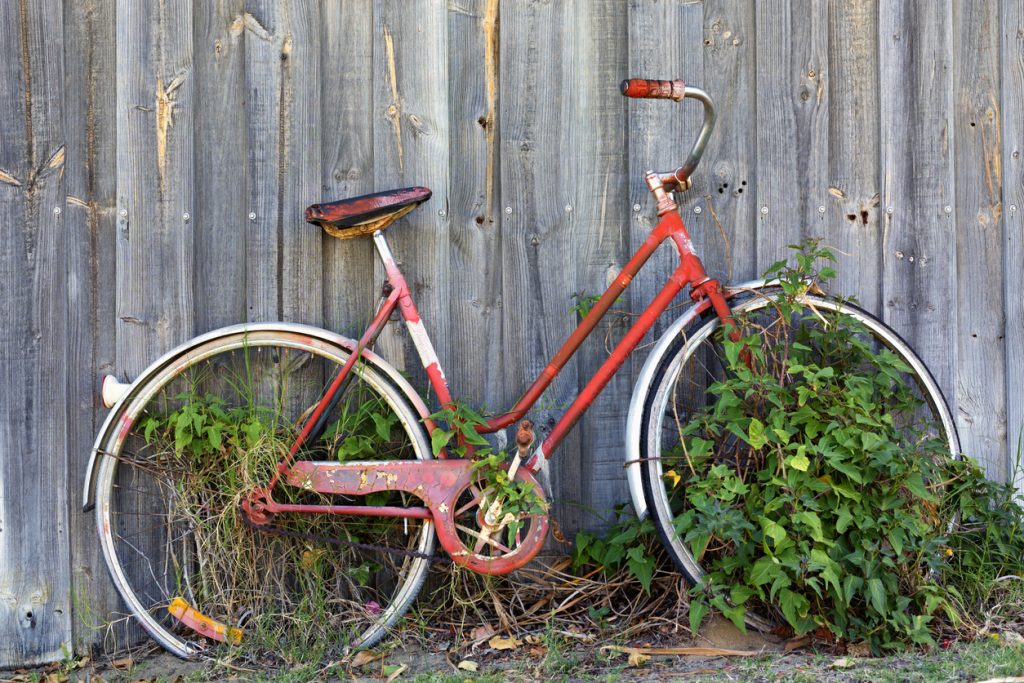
438,482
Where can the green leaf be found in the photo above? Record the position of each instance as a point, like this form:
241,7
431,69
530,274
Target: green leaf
773,530
739,593
737,615
799,461
755,432
916,485
213,434
811,521
794,607
765,569
876,595
641,566
439,438
698,610
843,519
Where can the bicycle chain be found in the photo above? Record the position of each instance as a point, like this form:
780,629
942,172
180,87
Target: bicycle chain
317,538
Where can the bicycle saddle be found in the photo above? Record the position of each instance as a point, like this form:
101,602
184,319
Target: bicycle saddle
366,214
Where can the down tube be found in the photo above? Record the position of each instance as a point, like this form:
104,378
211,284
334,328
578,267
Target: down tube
608,369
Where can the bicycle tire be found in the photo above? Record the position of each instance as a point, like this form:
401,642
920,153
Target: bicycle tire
695,357
161,508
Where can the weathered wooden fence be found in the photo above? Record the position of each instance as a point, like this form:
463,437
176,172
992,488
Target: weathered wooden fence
155,158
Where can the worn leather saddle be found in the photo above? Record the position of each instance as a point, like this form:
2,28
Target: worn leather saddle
366,214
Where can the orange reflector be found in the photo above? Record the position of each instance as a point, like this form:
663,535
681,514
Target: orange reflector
202,624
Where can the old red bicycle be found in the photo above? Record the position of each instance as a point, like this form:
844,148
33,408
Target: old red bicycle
283,469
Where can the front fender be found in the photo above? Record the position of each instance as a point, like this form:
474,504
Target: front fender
88,492
646,376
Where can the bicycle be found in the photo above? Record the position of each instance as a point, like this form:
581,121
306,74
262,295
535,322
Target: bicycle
304,457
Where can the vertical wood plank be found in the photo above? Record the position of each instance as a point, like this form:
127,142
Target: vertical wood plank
663,43
346,128
852,219
264,35
411,141
536,240
730,160
35,614
90,223
284,263
598,226
1012,70
792,124
980,392
301,283
474,216
155,107
221,195
919,259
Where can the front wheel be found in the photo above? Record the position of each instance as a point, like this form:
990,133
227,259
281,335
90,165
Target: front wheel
193,442
676,450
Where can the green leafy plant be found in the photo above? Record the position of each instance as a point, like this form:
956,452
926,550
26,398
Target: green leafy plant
807,488
629,543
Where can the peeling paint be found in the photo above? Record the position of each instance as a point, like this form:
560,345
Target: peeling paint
395,110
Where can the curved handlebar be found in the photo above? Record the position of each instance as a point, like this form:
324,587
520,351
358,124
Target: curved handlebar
675,90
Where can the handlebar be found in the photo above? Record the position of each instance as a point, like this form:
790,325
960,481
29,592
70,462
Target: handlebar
675,90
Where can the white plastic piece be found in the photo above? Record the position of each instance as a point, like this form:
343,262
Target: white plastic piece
112,390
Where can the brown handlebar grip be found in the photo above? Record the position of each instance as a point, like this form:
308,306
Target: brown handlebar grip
651,89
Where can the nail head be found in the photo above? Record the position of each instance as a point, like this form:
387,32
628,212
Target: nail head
1013,208
252,215
764,210
56,211
508,210
568,208
124,213
889,210
442,213
636,207
186,216
697,210
947,208
821,209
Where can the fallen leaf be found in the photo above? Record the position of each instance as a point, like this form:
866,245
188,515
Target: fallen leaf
393,672
537,651
499,643
481,632
637,658
468,665
861,649
56,677
534,640
796,643
364,657
122,663
843,663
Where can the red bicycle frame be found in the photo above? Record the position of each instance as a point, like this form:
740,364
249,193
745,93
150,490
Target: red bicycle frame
690,272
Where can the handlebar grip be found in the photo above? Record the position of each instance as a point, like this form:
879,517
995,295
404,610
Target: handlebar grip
653,89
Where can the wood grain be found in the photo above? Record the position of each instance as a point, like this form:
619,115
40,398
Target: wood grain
90,173
35,577
918,251
980,321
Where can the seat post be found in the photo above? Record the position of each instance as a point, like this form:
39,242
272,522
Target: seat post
381,244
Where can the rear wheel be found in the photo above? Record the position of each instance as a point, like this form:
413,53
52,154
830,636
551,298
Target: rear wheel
193,441
697,360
